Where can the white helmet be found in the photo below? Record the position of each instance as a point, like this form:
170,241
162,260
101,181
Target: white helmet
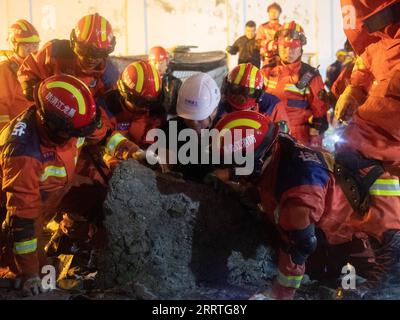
198,97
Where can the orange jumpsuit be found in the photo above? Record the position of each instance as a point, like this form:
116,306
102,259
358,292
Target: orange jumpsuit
12,101
35,175
265,34
374,130
300,104
57,57
297,189
133,125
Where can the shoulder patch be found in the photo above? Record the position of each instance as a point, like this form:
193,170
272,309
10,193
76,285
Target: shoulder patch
268,103
20,136
299,166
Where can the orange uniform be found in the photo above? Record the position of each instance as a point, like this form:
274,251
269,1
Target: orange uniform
132,124
265,34
298,192
301,104
57,57
35,175
374,131
12,100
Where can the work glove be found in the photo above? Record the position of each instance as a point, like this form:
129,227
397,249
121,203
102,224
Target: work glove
318,123
126,149
150,158
33,286
348,103
28,89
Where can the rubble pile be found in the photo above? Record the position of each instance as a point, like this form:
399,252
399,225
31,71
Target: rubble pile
179,239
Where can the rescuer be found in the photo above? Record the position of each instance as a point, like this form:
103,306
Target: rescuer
299,86
312,209
38,156
24,39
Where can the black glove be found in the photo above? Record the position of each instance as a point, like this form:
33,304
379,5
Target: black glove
28,88
320,124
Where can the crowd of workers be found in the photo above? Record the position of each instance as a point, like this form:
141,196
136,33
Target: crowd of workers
68,118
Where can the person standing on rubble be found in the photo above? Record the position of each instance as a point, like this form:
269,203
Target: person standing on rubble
24,39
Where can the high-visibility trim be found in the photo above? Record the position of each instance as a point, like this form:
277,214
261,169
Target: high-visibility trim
155,76
31,39
80,142
4,119
271,84
243,123
293,88
385,187
103,29
253,76
25,246
289,281
86,27
113,143
240,74
22,25
297,27
74,91
140,77
359,64
53,171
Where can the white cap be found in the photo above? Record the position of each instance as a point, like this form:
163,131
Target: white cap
198,97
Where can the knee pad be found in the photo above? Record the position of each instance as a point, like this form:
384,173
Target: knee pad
302,244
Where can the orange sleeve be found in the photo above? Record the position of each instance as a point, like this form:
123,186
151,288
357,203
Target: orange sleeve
37,66
342,81
7,78
20,182
279,113
318,107
361,76
116,144
260,35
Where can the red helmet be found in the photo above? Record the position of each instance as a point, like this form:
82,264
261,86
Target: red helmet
66,107
158,54
291,35
93,36
140,84
247,81
247,131
23,32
